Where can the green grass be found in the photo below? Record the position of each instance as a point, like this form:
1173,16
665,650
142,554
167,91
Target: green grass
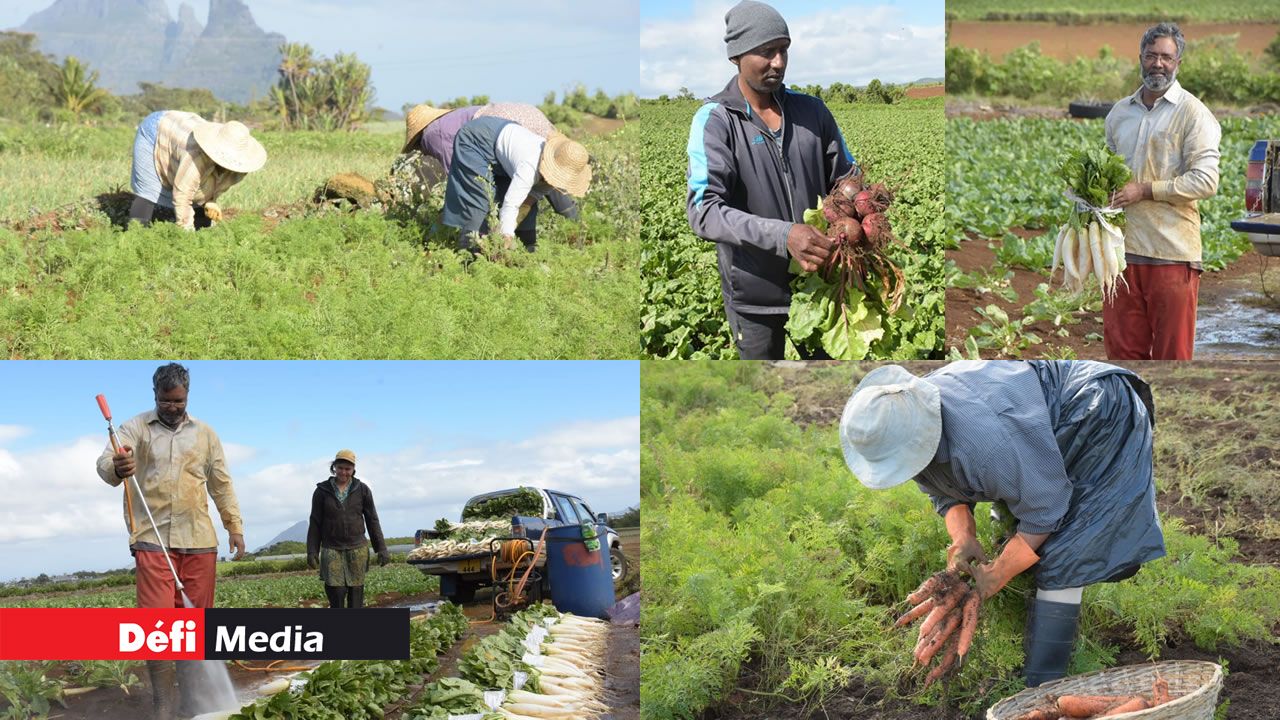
328,284
1087,11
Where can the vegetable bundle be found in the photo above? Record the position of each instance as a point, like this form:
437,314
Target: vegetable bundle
1088,242
839,309
950,610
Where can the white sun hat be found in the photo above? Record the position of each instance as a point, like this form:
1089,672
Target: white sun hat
890,427
231,146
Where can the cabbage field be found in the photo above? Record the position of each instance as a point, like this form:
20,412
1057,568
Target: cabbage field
900,145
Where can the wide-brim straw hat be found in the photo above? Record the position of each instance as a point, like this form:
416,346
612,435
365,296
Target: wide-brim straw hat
231,146
565,165
417,120
890,427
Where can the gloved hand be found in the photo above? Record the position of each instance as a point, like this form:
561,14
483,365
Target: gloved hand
1017,556
313,561
384,557
965,550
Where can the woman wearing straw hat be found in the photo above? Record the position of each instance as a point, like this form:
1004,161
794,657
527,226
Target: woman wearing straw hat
341,508
1066,446
487,145
180,161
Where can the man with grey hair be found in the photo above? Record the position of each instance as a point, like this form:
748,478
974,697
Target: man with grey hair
759,155
177,460
1169,139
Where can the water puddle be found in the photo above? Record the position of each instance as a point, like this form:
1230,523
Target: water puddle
1245,325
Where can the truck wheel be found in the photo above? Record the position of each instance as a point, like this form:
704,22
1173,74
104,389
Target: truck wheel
618,563
1088,110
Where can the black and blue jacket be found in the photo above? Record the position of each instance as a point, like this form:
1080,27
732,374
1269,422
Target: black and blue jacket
745,192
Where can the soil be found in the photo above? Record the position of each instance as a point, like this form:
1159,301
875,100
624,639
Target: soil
926,91
593,125
1067,42
987,109
1250,277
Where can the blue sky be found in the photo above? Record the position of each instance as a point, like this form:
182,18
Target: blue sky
438,49
428,435
682,43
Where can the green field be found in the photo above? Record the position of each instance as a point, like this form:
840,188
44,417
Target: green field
321,283
772,577
1087,11
900,145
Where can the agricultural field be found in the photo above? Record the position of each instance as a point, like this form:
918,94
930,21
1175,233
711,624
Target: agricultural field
1095,11
1005,205
288,277
899,145
773,577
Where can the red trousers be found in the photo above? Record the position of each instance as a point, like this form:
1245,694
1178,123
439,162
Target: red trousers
1155,317
156,588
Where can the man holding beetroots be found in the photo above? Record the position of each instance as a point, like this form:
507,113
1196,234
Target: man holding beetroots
759,156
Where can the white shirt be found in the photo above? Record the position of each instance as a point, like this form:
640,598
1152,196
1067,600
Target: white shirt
519,151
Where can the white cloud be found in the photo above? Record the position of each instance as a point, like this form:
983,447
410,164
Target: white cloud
9,433
851,44
237,454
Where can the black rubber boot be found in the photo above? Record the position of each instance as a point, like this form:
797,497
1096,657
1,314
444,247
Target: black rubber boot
1050,637
355,596
529,238
335,593
142,210
164,688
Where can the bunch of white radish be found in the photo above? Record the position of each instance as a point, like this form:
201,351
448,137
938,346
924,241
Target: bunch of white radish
570,678
1094,248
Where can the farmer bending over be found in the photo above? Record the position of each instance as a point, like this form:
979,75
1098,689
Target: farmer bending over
1064,447
177,460
489,146
432,130
759,156
180,161
1169,139
341,509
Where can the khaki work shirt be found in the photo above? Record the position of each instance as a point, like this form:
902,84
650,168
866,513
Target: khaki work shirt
1173,146
178,470
194,178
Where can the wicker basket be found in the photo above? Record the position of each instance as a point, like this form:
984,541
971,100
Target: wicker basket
1193,685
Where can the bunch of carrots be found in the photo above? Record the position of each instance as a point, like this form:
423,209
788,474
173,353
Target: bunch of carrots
950,610
1081,707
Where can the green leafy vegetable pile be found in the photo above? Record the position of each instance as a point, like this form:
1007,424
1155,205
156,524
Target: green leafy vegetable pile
1093,174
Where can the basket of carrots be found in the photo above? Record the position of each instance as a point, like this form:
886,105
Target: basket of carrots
1171,690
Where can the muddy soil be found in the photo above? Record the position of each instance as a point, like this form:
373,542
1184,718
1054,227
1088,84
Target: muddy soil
1067,42
1236,318
926,92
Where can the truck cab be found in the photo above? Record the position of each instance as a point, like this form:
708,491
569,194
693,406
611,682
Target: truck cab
1261,223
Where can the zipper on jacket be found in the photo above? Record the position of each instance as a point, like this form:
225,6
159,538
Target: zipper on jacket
782,161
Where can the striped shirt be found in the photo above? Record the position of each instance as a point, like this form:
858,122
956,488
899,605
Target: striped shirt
997,444
193,177
1173,146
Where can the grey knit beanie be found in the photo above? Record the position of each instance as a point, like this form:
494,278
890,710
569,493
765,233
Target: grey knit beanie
750,24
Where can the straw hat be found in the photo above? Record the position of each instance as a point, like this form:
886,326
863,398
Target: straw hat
345,455
565,165
231,146
417,120
890,427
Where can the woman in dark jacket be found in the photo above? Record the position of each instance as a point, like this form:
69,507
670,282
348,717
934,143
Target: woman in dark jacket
1065,447
341,509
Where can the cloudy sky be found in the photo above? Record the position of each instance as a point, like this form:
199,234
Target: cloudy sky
682,43
427,436
440,49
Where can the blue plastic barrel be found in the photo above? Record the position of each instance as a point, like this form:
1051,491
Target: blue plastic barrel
581,580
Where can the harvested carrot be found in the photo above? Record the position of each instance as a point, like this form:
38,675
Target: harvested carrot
944,606
935,643
926,588
969,622
1049,713
1137,703
915,612
918,653
948,660
1084,706
1159,691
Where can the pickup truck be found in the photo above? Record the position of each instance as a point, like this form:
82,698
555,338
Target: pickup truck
459,554
1261,223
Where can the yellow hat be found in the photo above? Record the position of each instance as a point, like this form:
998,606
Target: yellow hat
345,455
565,165
417,120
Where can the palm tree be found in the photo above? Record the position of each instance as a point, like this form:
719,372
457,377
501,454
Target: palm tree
76,87
296,64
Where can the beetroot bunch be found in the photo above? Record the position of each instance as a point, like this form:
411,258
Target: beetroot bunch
856,221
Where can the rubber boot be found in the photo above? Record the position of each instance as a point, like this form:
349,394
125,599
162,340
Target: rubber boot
529,238
187,682
335,593
142,210
1050,637
163,689
355,596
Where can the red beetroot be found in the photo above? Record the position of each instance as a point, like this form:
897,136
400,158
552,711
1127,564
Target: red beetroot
847,231
874,199
848,188
876,227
